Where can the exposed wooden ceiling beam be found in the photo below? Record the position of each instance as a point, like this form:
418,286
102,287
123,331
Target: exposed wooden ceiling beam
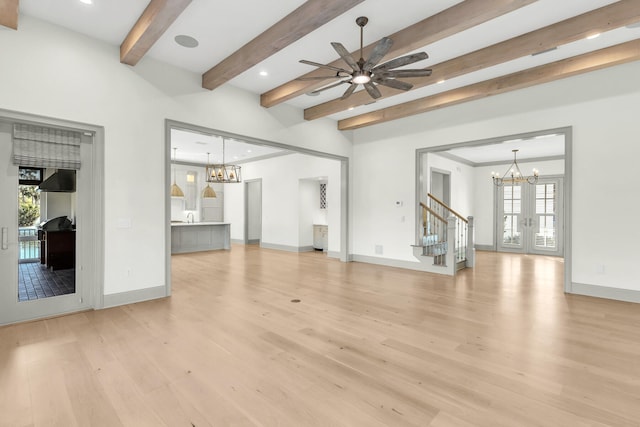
619,54
9,13
154,21
457,18
600,20
308,17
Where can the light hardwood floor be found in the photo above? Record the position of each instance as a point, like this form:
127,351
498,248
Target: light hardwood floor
499,345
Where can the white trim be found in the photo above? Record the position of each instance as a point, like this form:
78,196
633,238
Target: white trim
618,294
490,248
333,254
131,297
286,248
409,265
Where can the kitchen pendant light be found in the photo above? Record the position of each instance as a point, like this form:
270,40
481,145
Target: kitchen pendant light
208,192
223,173
175,190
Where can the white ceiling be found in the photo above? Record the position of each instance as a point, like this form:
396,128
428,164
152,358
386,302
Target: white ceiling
223,27
551,145
193,147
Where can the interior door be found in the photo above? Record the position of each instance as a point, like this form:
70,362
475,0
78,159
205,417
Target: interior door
530,217
253,211
12,310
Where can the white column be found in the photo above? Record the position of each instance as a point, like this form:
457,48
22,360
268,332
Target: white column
471,251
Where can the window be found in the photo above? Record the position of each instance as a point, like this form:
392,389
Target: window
323,196
30,176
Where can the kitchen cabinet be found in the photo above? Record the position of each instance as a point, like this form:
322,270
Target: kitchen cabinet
320,237
200,236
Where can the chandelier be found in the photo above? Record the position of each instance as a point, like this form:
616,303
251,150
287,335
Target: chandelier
513,175
223,173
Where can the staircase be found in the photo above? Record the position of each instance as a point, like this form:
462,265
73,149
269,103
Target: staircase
446,238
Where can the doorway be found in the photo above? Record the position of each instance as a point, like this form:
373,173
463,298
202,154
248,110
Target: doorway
441,185
475,160
86,214
253,211
529,217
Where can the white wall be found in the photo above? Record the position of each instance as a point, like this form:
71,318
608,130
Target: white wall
602,108
462,182
83,80
281,178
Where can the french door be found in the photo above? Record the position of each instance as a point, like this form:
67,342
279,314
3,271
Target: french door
12,309
530,217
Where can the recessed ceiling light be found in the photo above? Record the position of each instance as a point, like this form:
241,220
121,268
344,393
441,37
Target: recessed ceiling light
263,73
186,41
350,108
593,36
439,82
248,151
86,1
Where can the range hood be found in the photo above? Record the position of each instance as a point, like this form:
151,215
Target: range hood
62,181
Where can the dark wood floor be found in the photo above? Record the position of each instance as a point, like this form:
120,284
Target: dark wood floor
499,345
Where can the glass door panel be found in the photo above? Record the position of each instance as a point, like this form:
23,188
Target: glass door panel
512,217
530,217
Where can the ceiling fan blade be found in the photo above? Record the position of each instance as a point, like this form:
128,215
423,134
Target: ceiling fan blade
347,93
373,90
379,51
319,65
345,55
399,62
331,86
396,84
405,73
320,78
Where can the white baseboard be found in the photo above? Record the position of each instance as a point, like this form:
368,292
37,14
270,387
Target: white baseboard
618,294
237,241
333,254
286,248
130,297
485,247
409,265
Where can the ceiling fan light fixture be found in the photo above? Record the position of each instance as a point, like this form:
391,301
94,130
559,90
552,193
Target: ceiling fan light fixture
361,77
369,73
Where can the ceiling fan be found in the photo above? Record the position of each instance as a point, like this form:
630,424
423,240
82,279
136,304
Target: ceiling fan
368,73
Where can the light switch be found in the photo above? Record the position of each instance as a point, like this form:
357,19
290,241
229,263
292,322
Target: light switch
124,222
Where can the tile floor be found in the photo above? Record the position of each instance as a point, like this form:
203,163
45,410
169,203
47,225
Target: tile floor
36,281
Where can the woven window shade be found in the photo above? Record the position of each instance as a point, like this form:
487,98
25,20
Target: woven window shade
44,147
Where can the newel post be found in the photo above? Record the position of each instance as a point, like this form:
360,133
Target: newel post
451,244
471,250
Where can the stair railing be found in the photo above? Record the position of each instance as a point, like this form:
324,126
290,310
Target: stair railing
462,235
434,235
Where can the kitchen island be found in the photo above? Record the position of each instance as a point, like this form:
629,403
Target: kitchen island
199,236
